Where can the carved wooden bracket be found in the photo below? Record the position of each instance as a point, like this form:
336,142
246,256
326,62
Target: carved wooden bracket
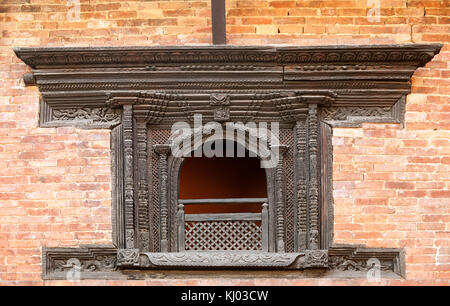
140,92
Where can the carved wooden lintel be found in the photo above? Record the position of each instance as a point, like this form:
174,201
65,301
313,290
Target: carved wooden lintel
235,260
359,76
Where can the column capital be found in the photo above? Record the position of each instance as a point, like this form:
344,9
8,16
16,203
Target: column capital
161,149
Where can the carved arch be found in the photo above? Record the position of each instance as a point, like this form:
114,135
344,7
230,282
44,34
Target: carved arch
174,167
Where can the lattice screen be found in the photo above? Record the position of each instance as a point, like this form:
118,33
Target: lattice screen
223,235
287,138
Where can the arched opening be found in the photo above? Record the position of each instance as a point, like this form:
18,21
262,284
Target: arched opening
226,194
222,177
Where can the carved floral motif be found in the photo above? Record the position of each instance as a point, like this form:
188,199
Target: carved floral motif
344,263
100,263
88,115
345,112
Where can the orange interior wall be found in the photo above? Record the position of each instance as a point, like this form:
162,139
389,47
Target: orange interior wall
222,177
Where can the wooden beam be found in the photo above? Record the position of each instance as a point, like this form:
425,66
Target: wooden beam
223,201
223,217
218,22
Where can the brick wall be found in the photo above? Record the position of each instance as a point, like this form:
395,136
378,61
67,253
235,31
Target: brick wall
391,184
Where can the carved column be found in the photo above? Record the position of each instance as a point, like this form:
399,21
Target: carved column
127,123
117,178
181,227
280,208
313,188
162,150
143,209
302,211
265,227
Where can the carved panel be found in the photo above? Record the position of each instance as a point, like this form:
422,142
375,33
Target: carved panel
223,235
85,117
73,263
287,138
128,257
236,259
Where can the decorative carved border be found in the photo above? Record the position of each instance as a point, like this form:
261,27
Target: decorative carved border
235,260
90,261
80,117
149,57
355,116
369,82
100,262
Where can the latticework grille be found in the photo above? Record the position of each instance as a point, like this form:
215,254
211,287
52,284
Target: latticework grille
287,137
223,235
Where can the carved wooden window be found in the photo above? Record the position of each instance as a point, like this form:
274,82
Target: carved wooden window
140,92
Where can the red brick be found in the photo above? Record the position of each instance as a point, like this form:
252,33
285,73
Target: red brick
391,183
399,185
122,15
440,194
256,20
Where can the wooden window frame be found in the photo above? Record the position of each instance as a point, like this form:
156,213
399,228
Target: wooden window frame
138,92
